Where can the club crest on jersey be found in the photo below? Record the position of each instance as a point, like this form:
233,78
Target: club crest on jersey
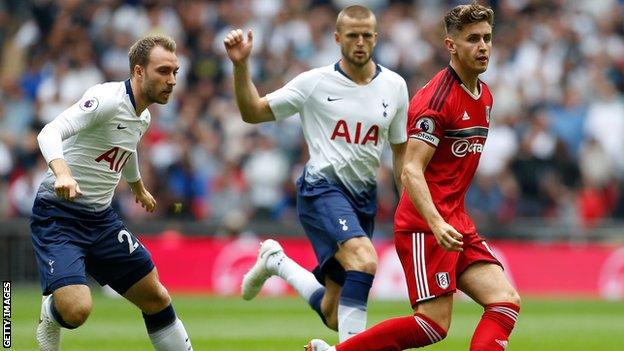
385,106
89,105
443,280
488,110
426,124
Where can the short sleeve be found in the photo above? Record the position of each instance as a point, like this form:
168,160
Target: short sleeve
425,124
289,99
398,128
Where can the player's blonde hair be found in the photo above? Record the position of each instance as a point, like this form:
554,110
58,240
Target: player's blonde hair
462,15
356,12
139,53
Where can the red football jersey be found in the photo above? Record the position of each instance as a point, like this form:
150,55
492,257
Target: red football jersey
445,114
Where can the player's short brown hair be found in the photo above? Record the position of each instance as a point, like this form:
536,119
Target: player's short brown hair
139,53
462,15
356,12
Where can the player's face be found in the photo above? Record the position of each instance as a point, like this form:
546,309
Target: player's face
357,39
473,45
160,75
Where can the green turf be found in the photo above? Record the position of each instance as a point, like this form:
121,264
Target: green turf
230,324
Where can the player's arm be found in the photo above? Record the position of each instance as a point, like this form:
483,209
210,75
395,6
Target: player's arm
398,155
130,172
253,109
50,141
81,115
142,196
417,156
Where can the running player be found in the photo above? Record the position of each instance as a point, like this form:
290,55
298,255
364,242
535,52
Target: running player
88,148
348,110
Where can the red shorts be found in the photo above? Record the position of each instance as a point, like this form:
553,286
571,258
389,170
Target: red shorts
431,271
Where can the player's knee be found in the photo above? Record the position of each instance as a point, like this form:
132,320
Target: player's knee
513,297
77,313
441,319
363,259
157,301
509,295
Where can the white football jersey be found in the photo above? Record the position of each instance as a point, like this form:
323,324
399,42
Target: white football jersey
100,136
345,124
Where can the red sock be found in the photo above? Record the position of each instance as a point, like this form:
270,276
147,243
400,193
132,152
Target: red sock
492,333
396,334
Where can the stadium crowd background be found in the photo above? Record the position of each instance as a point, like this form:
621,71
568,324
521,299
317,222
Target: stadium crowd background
555,148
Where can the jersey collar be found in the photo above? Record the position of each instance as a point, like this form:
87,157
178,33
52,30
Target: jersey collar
130,94
461,84
337,68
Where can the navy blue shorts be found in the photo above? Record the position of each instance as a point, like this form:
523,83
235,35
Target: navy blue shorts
70,240
329,217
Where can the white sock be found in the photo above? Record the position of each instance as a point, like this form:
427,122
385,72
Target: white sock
351,321
46,310
302,280
171,338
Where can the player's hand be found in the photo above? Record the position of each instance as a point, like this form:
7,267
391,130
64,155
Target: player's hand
146,200
66,187
447,237
237,48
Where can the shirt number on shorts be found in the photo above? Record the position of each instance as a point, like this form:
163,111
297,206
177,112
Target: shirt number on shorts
132,245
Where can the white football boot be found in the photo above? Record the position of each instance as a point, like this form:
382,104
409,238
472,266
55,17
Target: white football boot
48,331
258,274
318,345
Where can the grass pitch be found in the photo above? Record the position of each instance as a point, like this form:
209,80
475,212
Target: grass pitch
230,324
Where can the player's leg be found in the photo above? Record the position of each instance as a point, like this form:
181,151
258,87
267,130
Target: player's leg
272,260
486,283
121,261
359,259
165,330
429,273
59,242
67,307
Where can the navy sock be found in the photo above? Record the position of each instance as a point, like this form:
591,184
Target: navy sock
315,303
355,289
157,321
57,316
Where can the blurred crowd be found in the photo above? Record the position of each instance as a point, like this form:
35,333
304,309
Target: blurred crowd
555,147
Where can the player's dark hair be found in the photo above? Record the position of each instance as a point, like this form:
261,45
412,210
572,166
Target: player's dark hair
358,12
139,53
462,15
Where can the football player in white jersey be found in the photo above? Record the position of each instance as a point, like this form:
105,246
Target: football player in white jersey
88,148
348,110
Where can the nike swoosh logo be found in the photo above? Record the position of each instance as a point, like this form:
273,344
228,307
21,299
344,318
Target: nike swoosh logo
352,333
119,126
335,99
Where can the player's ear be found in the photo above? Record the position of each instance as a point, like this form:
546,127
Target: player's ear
450,45
138,71
337,37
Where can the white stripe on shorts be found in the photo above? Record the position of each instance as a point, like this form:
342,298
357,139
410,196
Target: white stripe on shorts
420,268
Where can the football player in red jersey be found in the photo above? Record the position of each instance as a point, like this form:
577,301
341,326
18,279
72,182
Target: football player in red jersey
436,240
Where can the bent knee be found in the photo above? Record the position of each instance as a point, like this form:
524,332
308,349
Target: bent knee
75,314
513,297
363,259
367,266
156,301
508,296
